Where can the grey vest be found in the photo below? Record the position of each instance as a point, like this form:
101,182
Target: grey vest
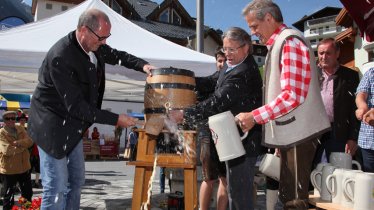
305,122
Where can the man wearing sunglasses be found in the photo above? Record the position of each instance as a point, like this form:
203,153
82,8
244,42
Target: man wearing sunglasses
14,159
68,100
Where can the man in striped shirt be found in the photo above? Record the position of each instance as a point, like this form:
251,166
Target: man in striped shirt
288,76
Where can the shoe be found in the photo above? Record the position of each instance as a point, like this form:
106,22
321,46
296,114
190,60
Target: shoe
297,204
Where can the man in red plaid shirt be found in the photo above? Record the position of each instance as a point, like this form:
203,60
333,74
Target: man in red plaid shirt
293,114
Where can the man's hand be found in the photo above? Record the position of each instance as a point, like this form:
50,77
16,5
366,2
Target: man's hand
360,112
148,69
176,116
125,121
351,147
245,120
368,117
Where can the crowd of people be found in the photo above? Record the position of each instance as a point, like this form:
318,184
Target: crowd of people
68,98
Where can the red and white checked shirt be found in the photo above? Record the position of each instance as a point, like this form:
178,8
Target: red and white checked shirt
295,78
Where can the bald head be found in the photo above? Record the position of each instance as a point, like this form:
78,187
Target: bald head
91,18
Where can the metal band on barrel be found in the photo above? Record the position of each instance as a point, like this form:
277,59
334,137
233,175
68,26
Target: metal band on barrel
158,110
169,85
173,71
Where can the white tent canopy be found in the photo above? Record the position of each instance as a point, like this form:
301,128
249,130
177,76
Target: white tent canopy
22,50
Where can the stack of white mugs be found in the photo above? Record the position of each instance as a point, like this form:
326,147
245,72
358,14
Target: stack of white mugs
336,182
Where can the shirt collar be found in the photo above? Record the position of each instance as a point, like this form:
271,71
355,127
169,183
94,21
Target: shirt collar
76,37
229,68
275,35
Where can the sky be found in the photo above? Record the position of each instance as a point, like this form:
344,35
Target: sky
223,14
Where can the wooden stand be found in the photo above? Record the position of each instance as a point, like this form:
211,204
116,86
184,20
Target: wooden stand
144,167
321,204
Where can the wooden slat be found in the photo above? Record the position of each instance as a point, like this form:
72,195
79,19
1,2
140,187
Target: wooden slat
168,165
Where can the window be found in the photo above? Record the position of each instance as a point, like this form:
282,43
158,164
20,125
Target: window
313,31
63,8
259,51
176,18
129,111
327,28
259,59
164,17
320,30
48,6
116,7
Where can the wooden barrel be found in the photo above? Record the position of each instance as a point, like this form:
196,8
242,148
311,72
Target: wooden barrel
171,87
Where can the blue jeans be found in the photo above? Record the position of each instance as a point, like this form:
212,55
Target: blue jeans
368,160
62,179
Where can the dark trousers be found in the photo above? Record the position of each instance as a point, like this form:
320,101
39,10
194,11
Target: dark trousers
368,160
296,163
240,176
9,183
329,144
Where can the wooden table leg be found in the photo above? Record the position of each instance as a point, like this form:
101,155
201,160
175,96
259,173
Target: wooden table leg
141,179
190,189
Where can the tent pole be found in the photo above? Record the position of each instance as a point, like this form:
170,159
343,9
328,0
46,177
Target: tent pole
200,25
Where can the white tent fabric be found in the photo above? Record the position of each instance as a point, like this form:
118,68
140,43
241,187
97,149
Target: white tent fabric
22,49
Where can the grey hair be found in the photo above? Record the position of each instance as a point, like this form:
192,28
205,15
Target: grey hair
335,44
261,8
239,35
91,18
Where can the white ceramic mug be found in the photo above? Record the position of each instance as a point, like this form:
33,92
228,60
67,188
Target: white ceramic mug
270,166
226,136
343,160
348,188
334,184
316,176
363,194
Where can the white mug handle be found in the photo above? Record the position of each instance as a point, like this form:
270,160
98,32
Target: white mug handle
357,164
345,191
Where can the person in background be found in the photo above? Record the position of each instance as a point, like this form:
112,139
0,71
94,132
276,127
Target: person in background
22,120
220,58
95,133
290,96
67,100
133,139
212,168
338,83
34,156
237,88
14,160
364,112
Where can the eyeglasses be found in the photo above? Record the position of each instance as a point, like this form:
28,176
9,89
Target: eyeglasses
231,50
100,38
9,118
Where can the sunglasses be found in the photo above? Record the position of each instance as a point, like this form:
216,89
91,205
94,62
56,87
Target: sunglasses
100,38
9,118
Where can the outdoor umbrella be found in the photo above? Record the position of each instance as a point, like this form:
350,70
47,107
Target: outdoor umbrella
362,12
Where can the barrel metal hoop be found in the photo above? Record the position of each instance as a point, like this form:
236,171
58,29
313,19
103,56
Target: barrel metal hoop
173,71
169,85
160,110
